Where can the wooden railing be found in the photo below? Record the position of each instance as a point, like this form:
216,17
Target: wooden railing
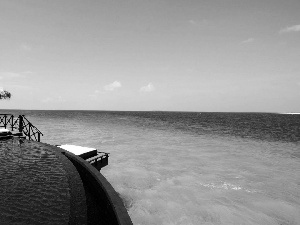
21,124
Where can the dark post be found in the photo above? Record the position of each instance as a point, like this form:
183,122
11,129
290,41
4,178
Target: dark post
12,122
39,137
20,123
29,128
5,121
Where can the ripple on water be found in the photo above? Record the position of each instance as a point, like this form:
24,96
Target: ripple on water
33,186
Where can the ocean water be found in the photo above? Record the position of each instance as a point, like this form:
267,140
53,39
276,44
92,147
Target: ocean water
191,168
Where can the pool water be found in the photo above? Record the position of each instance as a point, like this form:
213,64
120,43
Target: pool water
34,187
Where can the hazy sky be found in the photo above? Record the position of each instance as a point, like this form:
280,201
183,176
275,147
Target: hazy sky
183,55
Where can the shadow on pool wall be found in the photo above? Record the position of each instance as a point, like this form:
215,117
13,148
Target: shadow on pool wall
104,206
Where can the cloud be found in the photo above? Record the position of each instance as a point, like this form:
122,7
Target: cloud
25,47
295,28
147,88
54,99
18,86
8,75
249,40
199,23
95,93
112,86
192,22
46,100
13,75
28,73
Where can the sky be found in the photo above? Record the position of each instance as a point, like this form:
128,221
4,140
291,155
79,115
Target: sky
169,55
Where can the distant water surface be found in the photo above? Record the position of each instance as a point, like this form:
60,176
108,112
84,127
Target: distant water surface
191,168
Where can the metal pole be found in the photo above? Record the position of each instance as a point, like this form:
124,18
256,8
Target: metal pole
29,128
12,122
20,123
5,121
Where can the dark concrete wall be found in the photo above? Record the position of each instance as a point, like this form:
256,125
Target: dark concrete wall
104,206
78,206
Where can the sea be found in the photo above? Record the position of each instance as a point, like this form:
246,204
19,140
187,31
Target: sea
190,168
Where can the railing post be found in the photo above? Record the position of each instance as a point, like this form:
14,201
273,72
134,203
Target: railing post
5,123
20,123
12,122
29,128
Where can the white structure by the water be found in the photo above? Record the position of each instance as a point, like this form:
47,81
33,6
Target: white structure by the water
83,152
77,150
293,113
2,130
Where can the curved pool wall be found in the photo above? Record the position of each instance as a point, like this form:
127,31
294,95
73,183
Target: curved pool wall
77,201
35,185
103,203
44,184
